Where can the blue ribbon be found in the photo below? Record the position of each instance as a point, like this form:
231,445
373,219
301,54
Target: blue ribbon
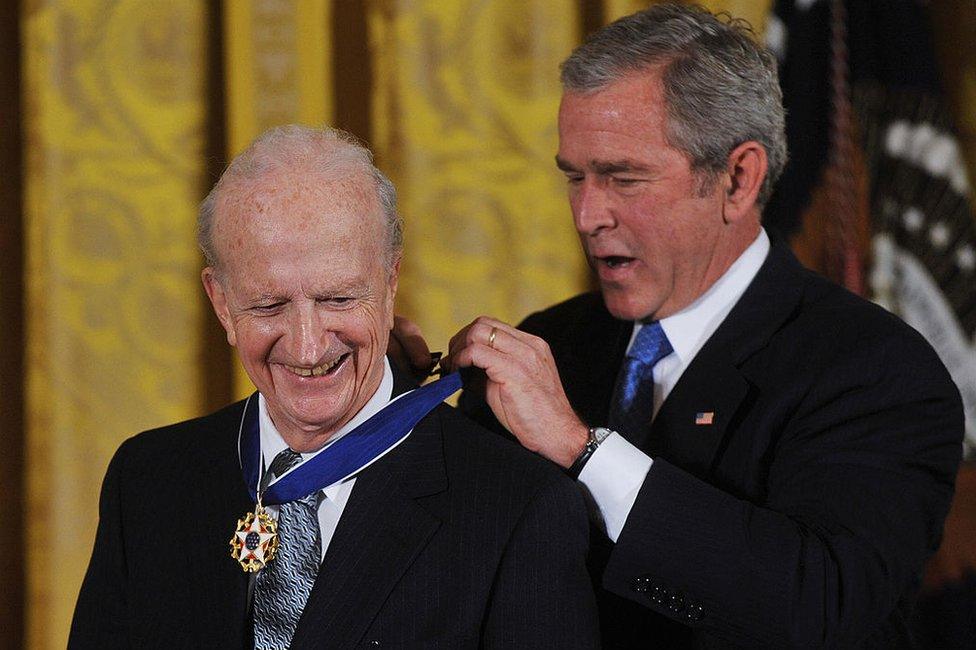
346,455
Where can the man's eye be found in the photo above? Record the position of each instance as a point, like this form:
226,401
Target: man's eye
574,179
625,182
269,308
337,301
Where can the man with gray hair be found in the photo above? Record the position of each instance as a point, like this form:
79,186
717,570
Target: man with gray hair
769,458
367,514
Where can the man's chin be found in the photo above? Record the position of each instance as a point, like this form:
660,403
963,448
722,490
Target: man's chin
624,307
307,427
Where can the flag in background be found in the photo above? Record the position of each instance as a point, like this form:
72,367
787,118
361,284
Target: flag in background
873,152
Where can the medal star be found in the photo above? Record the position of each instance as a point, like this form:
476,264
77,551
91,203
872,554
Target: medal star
254,540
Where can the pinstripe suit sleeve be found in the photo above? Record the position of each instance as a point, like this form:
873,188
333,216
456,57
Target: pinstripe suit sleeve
542,596
99,618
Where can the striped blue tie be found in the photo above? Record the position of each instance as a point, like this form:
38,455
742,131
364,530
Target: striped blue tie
632,406
283,586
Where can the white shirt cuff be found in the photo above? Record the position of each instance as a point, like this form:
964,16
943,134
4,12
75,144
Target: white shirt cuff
614,475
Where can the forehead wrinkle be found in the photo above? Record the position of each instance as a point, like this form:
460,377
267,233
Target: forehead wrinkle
269,200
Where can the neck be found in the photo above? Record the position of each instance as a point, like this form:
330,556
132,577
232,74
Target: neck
741,238
308,438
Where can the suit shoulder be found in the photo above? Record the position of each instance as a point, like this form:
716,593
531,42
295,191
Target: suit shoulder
183,442
845,320
474,455
567,315
840,337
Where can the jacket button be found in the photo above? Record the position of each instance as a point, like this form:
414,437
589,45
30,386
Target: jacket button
694,612
374,644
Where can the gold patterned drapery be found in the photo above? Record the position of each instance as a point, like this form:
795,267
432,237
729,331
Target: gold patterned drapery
129,109
114,134
466,95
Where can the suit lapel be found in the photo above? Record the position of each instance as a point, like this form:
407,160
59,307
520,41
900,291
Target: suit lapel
222,583
693,421
714,385
381,532
589,367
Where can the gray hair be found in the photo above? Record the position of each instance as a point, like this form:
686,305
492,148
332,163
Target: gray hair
721,88
327,150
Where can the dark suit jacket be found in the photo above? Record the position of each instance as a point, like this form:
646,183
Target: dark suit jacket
453,540
803,514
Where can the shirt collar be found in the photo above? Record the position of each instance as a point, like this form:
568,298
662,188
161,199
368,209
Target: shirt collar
688,329
273,444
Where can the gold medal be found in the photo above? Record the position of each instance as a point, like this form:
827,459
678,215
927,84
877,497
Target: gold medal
255,541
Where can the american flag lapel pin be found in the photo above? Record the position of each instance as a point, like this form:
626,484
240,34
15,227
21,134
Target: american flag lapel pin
704,417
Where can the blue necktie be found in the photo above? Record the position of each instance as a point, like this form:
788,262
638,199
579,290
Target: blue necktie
632,406
283,586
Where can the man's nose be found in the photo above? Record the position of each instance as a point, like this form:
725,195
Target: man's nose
591,208
309,334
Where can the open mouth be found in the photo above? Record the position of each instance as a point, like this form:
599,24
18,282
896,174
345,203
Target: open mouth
615,261
319,371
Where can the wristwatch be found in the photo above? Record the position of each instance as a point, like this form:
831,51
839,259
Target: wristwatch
595,439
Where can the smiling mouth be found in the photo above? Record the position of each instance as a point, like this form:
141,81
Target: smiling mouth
317,371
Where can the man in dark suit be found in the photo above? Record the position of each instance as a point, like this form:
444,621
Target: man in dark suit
769,457
443,537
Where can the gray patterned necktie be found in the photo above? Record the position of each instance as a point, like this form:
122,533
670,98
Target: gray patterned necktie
283,586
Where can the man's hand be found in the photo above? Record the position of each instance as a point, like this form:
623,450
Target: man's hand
408,348
523,387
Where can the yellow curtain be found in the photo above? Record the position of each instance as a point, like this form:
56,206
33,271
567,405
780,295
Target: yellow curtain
465,102
277,62
113,142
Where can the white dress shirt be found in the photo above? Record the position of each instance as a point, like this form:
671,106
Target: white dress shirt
615,472
336,495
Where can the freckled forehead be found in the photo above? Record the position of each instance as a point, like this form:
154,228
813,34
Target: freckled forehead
298,199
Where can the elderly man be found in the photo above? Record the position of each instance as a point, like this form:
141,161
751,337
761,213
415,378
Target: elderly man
353,530
770,458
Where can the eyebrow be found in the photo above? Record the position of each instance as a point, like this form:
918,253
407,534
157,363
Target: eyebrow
604,167
563,165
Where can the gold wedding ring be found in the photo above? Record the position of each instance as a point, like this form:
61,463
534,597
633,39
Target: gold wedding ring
491,338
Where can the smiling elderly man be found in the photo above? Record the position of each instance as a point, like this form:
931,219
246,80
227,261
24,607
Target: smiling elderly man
356,531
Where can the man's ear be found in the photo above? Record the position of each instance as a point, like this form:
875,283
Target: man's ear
745,174
218,299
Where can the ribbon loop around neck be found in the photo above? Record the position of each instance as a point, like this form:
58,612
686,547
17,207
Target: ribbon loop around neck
347,455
